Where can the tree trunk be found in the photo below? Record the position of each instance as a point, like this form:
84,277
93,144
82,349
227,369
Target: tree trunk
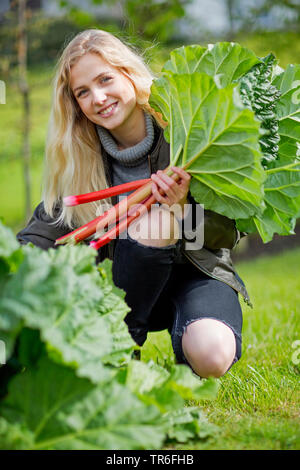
230,8
23,84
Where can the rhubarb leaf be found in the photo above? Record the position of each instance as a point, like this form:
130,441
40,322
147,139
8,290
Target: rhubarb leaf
112,309
282,199
225,61
261,96
11,257
282,185
273,94
15,436
10,254
167,389
188,423
49,407
186,59
216,139
62,294
288,112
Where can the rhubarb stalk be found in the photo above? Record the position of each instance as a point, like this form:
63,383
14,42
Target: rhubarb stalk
104,193
123,224
113,214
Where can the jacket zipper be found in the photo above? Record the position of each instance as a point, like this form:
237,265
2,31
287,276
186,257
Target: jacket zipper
218,279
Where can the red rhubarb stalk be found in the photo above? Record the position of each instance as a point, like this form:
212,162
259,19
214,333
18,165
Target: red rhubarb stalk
133,213
111,215
123,224
104,193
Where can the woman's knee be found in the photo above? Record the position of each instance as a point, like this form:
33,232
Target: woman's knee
158,227
209,346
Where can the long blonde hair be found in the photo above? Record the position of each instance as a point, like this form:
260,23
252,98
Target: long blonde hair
73,161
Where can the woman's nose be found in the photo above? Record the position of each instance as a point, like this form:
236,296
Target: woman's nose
99,97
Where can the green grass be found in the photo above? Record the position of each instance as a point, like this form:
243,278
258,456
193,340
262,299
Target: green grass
257,406
11,167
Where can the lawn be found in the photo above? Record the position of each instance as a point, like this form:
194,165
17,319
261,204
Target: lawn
257,406
11,167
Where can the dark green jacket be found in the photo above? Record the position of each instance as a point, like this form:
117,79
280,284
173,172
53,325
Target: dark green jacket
220,233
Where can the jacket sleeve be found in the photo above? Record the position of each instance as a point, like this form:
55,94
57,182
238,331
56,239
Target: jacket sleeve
219,231
40,230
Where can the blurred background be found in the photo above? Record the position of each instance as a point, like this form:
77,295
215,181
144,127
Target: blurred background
34,32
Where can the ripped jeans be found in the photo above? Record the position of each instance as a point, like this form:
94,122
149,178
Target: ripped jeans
164,294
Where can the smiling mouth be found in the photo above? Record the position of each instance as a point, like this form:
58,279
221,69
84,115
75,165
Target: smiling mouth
108,111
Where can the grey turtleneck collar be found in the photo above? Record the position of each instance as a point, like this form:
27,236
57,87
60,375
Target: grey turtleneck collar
131,156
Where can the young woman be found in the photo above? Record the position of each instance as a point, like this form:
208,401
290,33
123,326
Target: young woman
103,132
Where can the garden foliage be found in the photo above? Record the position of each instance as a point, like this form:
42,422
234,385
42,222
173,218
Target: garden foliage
69,381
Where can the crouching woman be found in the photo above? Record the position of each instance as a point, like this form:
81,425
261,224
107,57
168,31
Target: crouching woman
102,133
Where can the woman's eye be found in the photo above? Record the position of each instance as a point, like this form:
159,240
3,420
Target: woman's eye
81,93
105,79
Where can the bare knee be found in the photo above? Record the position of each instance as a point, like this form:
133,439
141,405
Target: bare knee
158,228
209,347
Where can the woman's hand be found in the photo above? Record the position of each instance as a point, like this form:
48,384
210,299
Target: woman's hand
175,192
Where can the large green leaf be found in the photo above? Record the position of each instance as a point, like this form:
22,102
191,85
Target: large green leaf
75,307
282,184
228,190
186,59
288,111
259,95
167,389
282,193
113,309
187,423
49,407
215,138
226,61
282,200
11,256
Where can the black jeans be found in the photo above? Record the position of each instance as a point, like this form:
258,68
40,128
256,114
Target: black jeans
163,294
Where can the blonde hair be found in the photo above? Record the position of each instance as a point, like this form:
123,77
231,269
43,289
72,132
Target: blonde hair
73,161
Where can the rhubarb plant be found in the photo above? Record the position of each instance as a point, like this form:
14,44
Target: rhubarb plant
69,381
282,184
233,124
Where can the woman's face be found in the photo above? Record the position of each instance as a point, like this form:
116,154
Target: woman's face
104,94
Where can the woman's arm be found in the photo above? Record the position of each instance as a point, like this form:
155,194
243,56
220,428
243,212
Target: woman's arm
39,231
